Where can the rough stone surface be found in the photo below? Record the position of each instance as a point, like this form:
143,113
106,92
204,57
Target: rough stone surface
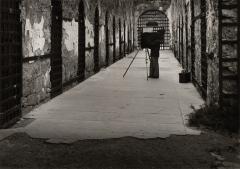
36,18
36,82
176,13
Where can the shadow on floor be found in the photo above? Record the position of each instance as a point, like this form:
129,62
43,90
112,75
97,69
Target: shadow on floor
175,152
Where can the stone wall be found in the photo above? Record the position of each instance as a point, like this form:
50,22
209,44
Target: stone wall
212,49
36,83
181,12
36,18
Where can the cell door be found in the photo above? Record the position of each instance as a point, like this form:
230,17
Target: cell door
114,39
193,45
10,62
56,52
120,38
204,64
96,41
107,39
82,41
124,39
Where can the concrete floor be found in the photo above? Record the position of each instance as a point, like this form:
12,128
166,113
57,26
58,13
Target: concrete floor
110,106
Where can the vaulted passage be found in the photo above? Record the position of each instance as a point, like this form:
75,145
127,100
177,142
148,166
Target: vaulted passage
153,21
122,81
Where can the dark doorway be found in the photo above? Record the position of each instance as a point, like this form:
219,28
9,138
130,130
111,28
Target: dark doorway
120,38
107,39
96,40
56,52
81,42
188,47
124,39
10,62
158,17
193,72
204,64
114,39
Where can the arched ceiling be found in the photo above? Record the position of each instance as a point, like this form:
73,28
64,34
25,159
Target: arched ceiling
164,4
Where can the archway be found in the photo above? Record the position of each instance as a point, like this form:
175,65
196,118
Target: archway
96,40
81,42
152,21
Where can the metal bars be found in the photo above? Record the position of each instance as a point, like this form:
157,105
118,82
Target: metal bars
161,22
56,54
204,64
82,41
229,69
10,62
96,41
107,39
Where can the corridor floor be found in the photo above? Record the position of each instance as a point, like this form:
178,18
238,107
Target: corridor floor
110,106
108,122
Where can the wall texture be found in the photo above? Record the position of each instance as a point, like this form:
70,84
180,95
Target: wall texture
187,14
36,18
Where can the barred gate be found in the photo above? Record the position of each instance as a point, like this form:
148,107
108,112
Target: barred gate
107,38
96,41
204,63
152,21
56,52
10,62
82,41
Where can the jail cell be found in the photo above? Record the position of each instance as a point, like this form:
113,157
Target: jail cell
82,41
96,41
120,38
114,39
204,63
10,62
153,21
107,39
56,52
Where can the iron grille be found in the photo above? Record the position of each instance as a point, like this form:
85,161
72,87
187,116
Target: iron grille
10,62
161,22
56,52
82,40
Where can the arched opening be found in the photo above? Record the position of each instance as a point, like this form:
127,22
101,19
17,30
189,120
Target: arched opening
81,42
107,38
10,63
153,21
114,39
96,41
56,49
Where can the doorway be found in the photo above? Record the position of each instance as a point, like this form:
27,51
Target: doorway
81,42
107,39
56,51
96,41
